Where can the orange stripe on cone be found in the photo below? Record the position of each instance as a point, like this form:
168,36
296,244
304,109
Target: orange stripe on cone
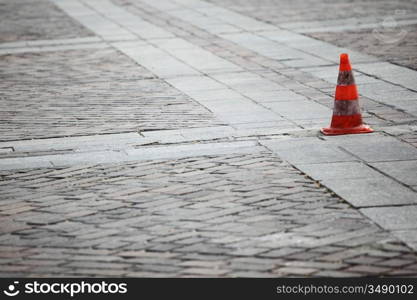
347,92
347,118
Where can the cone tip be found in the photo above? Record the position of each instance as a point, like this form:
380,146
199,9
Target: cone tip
344,58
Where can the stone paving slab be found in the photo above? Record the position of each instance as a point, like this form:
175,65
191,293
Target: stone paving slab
375,191
405,171
73,143
156,60
394,218
126,20
376,147
33,49
407,235
307,150
94,21
97,156
307,110
337,170
54,42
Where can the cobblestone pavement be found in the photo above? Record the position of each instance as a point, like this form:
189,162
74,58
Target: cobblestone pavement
90,91
180,138
20,21
229,215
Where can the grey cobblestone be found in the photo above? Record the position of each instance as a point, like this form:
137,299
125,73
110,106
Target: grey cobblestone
156,242
72,96
20,21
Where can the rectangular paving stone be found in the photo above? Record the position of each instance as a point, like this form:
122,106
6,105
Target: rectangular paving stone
53,48
383,151
234,18
72,142
377,190
263,128
313,124
194,17
392,73
342,170
199,59
155,60
375,147
56,42
404,171
246,82
24,163
300,109
247,116
239,106
408,236
325,51
394,218
307,151
217,95
283,95
5,150
129,21
94,21
192,150
280,51
195,83
389,94
88,157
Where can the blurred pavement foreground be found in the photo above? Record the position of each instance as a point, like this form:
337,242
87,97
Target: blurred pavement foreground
181,138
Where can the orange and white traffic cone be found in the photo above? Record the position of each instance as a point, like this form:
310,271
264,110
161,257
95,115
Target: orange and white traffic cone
347,117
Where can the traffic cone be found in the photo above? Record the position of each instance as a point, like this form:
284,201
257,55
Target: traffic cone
347,117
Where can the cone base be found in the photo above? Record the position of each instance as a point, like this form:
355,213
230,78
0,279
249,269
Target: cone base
353,130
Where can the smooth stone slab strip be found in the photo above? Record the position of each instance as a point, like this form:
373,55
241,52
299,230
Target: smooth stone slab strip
53,48
40,43
145,153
